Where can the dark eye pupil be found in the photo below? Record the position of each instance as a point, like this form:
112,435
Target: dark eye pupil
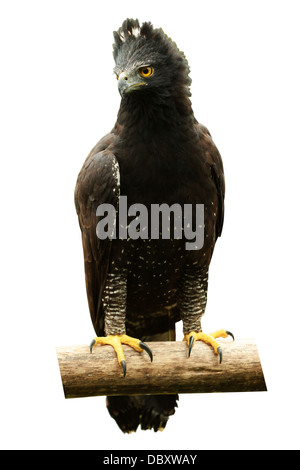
146,71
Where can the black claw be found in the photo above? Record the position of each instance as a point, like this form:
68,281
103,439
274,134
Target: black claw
147,349
191,342
230,334
220,355
123,364
91,345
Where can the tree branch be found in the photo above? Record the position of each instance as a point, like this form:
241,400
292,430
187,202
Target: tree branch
85,375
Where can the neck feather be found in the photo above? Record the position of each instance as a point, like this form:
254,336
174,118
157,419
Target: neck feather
148,114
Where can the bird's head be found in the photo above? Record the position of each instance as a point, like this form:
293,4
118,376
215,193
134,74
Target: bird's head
148,61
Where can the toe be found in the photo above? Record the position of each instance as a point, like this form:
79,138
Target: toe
221,334
208,339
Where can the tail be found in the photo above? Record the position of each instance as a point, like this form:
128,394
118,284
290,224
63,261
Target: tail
148,411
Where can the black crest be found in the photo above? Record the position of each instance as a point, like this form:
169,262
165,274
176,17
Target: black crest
130,31
135,42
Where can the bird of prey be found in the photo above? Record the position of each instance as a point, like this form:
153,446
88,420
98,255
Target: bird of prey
157,153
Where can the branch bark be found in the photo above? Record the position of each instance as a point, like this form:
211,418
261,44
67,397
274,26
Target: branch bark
85,375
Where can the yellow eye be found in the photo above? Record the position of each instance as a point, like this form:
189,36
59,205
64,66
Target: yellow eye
146,71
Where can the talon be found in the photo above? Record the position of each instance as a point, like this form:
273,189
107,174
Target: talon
147,349
191,342
230,334
220,354
123,364
91,345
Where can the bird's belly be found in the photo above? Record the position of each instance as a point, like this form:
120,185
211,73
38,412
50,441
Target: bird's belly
151,289
154,268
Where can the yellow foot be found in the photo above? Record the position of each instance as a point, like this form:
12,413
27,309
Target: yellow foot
208,339
116,342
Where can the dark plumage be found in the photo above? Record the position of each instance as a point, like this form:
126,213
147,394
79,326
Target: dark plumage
156,153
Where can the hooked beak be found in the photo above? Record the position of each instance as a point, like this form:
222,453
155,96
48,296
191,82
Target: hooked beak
127,84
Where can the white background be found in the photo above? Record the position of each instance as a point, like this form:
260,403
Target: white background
58,98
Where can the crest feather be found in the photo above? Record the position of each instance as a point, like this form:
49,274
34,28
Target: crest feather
130,29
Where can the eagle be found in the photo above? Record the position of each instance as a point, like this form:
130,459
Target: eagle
157,154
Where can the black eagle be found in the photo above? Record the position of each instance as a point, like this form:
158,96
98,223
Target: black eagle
157,153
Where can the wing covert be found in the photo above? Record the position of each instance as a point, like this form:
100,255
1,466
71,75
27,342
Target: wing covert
98,183
214,161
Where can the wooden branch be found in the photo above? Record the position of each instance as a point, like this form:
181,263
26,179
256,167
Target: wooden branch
85,375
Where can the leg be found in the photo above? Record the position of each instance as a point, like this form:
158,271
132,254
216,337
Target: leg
192,303
114,305
192,296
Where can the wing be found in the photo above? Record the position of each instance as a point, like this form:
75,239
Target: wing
97,183
214,161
